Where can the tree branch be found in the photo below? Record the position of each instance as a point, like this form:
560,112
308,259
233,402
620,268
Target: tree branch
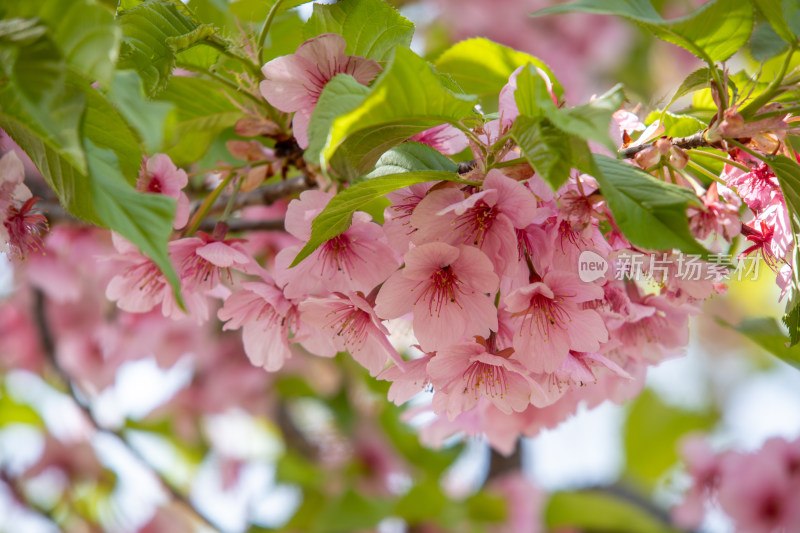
48,347
499,464
268,194
695,140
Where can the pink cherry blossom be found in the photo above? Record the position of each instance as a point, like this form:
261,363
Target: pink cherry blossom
397,217
294,82
13,190
407,382
204,261
487,219
549,320
445,138
159,175
720,218
350,322
266,318
449,290
760,493
704,466
463,373
356,260
25,229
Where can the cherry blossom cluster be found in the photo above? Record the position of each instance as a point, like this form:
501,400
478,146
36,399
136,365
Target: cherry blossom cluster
483,276
759,491
768,228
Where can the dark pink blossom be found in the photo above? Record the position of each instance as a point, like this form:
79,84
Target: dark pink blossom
294,82
550,320
351,323
487,219
159,175
266,319
356,260
463,373
448,289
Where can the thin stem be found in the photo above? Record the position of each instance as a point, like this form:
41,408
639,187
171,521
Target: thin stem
262,36
205,207
231,200
249,65
223,80
772,89
509,163
725,160
778,112
710,175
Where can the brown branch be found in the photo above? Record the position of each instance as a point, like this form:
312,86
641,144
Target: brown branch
695,140
48,347
499,464
237,225
268,194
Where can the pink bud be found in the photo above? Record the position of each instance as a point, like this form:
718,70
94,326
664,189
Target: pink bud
648,157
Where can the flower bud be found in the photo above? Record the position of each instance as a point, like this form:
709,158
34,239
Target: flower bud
648,157
663,144
678,158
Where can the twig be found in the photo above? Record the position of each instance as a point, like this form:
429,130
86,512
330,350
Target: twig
268,194
48,347
695,140
244,225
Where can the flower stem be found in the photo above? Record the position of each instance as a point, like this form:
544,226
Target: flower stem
731,162
204,208
262,36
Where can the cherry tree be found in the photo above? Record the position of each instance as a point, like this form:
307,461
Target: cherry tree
372,255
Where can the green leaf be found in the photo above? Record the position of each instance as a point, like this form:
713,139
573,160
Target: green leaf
351,512
203,109
480,66
546,148
788,173
783,16
765,43
340,96
598,512
144,219
337,215
411,157
792,317
87,35
407,98
713,32
36,93
103,193
147,117
651,435
106,127
153,33
589,121
676,125
371,28
651,213
767,334
422,503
